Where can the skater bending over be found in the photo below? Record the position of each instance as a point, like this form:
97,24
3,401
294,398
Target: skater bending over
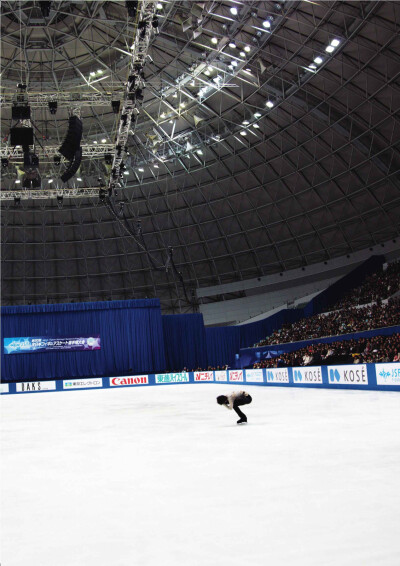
234,401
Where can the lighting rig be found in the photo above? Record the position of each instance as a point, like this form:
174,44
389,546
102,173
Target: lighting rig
147,24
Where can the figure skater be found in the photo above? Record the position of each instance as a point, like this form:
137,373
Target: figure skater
233,401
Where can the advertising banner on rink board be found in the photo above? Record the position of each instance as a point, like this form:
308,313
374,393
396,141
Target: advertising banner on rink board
254,375
83,383
129,380
28,387
388,374
221,375
39,344
355,374
307,375
277,375
203,376
235,375
181,377
4,388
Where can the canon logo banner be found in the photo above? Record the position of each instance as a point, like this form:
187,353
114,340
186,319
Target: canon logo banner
131,380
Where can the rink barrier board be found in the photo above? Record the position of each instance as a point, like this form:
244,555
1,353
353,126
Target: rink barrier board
378,377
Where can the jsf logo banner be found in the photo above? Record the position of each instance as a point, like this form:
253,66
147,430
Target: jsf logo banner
83,383
307,375
204,376
254,375
348,375
388,374
236,375
221,375
129,380
277,375
182,377
36,386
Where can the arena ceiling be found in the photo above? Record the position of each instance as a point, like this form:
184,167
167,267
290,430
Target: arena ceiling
267,139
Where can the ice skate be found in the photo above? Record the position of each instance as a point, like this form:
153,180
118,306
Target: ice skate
242,420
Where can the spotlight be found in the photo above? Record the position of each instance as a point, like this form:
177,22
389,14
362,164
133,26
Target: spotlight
234,11
60,201
4,162
139,94
57,159
142,27
132,7
45,8
108,158
154,23
17,201
21,87
102,195
53,106
115,104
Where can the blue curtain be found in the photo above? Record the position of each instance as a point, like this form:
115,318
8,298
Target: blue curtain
222,345
130,331
185,341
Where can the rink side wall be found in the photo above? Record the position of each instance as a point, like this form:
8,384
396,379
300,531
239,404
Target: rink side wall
382,377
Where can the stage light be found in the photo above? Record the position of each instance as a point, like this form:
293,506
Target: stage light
132,7
247,48
108,158
214,40
103,140
234,11
92,73
53,106
17,181
269,103
257,115
17,201
329,49
79,179
232,45
115,105
243,133
57,159
154,23
266,24
242,54
159,6
318,60
50,181
4,162
60,201
335,42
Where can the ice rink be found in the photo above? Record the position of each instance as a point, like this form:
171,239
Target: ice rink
163,476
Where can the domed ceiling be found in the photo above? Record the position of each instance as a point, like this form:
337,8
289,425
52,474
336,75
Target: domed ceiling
265,138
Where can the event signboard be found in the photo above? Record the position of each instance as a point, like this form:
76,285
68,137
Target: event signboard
254,376
388,374
203,376
129,380
181,377
39,344
277,375
31,386
221,375
236,375
83,383
355,374
307,375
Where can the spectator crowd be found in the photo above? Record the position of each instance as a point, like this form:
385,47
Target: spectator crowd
376,349
345,321
376,287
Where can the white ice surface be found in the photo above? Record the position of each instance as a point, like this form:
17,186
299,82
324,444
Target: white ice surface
163,476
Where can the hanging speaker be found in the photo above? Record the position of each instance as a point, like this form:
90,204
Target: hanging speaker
73,166
73,138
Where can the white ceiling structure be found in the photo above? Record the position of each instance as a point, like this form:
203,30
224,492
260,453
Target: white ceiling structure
267,139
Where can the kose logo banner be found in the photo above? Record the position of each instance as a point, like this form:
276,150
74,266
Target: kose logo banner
348,375
35,386
83,383
277,375
236,375
221,375
182,377
307,375
388,374
254,375
129,380
204,376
